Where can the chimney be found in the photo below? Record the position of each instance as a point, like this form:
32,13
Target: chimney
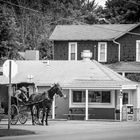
86,55
31,55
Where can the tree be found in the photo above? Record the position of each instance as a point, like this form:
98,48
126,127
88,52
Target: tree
36,20
8,30
32,25
122,11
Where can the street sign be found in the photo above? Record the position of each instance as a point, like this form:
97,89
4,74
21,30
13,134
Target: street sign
14,68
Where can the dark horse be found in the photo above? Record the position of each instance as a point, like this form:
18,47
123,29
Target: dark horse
44,101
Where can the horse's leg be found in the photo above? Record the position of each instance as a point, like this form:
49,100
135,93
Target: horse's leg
32,114
43,115
37,107
47,114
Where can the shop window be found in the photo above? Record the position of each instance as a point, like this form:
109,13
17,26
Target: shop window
99,96
106,97
78,96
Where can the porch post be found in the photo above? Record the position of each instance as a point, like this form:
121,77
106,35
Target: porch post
86,108
36,89
121,97
138,103
53,108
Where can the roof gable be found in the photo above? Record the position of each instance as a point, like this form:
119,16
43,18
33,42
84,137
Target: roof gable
91,32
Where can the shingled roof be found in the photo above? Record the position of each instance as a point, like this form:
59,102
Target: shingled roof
91,32
70,74
128,67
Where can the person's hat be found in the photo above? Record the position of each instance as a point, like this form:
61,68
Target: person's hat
23,89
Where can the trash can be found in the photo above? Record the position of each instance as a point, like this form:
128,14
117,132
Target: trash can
128,112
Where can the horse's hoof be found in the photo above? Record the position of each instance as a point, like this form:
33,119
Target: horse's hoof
40,124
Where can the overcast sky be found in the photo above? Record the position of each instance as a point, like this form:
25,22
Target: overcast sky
100,2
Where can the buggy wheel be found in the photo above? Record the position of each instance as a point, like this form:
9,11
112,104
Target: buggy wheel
23,117
14,114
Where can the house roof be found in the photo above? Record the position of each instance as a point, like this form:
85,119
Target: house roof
91,32
128,67
70,74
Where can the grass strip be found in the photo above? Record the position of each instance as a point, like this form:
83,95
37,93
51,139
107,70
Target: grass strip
15,132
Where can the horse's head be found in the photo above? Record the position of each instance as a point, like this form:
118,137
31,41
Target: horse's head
58,90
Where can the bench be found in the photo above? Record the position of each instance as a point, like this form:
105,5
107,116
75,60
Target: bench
70,115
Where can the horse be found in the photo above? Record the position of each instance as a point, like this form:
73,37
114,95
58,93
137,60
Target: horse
44,101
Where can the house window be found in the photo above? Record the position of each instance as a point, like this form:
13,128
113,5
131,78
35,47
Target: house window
73,51
138,50
102,51
99,96
78,96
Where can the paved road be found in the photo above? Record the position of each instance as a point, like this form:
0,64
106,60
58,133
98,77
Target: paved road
81,130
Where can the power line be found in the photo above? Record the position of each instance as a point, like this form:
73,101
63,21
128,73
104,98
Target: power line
30,9
20,6
71,19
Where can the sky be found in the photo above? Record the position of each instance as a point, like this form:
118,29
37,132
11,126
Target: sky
100,2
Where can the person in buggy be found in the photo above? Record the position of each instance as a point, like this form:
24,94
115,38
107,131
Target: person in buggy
21,95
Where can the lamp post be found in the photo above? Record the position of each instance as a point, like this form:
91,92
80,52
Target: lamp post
9,70
9,96
86,109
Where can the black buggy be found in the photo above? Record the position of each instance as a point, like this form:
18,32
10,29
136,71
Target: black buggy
19,110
